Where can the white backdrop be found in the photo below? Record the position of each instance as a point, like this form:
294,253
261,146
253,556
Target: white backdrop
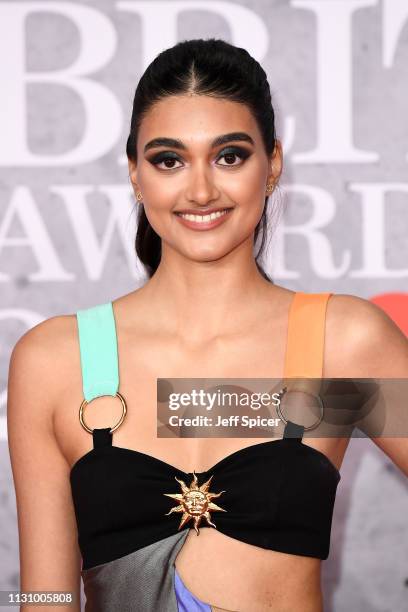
338,76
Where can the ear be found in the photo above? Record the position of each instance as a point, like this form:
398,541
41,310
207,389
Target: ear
275,163
133,172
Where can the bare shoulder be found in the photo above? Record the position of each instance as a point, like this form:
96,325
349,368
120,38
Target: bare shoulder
44,334
39,358
364,340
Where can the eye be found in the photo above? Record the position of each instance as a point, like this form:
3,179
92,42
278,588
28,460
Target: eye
165,157
232,153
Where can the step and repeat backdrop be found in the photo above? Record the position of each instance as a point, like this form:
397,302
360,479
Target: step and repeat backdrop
339,82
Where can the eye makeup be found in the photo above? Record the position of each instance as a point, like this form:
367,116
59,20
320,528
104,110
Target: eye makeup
239,152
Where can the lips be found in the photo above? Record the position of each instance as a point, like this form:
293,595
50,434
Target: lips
202,212
203,220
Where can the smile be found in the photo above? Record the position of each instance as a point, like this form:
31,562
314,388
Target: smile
203,222
204,218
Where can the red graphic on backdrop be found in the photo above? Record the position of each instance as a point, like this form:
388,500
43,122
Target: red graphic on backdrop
396,307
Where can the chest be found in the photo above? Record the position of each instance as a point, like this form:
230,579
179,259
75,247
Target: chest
249,355
257,353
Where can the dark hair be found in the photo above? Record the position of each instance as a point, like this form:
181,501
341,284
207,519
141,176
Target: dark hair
210,67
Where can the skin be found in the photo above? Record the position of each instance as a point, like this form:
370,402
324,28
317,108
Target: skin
207,312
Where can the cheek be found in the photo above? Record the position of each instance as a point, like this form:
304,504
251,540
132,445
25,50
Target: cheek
159,195
158,190
155,218
158,202
252,205
248,220
248,191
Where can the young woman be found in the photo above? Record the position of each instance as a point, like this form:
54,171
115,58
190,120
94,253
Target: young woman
99,490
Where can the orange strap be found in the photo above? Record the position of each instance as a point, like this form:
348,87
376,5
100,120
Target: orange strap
306,332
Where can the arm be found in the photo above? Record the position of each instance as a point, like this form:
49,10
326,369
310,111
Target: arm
49,554
376,348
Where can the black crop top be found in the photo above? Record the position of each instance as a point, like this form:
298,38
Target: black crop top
278,495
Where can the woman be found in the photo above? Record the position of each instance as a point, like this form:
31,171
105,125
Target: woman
202,142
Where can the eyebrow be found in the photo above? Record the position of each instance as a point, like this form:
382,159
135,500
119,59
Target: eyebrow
175,143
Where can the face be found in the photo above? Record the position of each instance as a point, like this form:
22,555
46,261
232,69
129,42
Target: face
195,503
201,175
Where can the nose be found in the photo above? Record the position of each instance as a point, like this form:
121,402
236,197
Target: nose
201,187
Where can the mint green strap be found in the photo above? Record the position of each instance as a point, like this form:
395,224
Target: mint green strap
99,351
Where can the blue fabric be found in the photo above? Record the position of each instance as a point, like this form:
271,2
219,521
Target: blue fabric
185,599
98,350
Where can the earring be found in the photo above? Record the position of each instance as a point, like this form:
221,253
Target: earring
270,188
139,196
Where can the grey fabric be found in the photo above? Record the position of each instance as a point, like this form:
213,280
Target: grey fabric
142,581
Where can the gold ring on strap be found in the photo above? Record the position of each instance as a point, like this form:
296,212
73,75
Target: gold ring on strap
279,411
85,402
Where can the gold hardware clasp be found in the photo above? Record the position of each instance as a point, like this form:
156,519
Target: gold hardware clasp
118,424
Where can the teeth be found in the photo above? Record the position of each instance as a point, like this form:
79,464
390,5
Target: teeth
203,218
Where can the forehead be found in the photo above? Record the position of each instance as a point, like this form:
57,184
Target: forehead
196,119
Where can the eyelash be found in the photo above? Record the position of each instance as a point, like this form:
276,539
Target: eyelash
238,152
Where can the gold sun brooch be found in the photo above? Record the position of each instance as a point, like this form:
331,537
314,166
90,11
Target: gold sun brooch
194,502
